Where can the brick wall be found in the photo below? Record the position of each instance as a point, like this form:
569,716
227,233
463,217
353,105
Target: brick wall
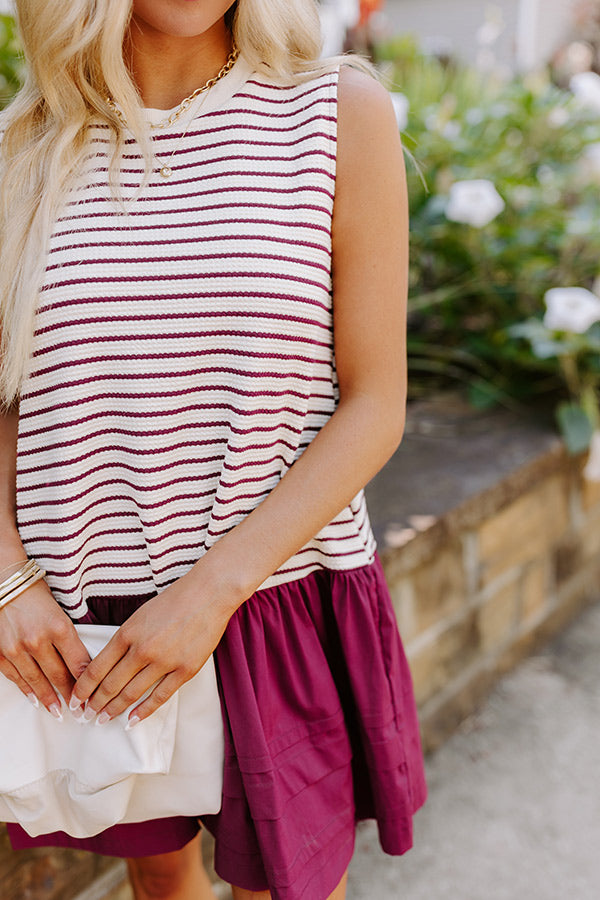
485,583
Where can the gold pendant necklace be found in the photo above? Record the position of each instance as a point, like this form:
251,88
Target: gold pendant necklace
165,168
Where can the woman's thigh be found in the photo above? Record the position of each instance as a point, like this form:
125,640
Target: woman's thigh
178,875
241,894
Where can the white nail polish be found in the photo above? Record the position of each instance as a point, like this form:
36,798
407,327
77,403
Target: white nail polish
103,718
132,722
33,700
55,711
89,714
74,703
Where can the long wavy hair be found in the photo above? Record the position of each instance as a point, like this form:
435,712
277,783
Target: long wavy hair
75,59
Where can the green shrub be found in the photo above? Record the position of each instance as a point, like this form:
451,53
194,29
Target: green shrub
11,60
469,284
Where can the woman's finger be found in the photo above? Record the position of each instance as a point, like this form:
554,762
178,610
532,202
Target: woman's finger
163,691
130,693
97,670
32,674
53,666
8,670
71,648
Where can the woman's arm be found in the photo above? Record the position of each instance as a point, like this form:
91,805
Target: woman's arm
171,636
39,646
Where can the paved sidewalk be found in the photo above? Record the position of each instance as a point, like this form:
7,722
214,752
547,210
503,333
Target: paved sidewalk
514,805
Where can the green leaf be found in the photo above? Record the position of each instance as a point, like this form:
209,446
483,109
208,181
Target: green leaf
575,427
483,395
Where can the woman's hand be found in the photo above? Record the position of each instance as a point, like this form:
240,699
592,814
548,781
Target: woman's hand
39,648
164,643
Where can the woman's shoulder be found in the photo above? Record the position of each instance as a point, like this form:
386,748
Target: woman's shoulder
364,104
367,134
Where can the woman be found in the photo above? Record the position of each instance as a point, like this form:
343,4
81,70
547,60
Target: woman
216,371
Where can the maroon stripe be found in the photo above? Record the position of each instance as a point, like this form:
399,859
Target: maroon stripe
146,470
188,373
192,529
85,585
136,451
199,313
150,414
208,208
234,140
210,176
175,354
284,87
196,295
228,159
286,99
69,537
135,487
211,192
195,257
113,498
124,548
200,276
68,573
160,432
252,126
192,240
189,335
161,395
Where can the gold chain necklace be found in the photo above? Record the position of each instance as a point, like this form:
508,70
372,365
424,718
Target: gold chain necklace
166,170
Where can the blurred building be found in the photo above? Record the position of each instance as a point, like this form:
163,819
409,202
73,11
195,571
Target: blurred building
521,33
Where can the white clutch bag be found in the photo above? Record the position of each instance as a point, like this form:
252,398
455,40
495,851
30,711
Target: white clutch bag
81,778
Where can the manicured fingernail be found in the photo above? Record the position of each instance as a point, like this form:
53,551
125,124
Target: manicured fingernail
74,703
103,718
89,714
132,722
33,700
55,710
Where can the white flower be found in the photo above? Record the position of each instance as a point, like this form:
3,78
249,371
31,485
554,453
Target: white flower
401,107
589,163
475,202
571,309
451,130
586,87
592,466
522,195
558,116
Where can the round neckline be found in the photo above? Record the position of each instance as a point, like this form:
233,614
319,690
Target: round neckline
208,101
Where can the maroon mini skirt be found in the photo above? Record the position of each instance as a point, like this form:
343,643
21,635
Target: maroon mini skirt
320,732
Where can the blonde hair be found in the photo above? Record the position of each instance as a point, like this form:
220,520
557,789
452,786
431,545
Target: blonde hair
74,51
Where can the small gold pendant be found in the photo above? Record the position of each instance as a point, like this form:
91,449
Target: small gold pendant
166,172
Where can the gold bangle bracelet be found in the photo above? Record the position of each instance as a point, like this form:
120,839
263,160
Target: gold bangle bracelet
37,576
20,563
14,580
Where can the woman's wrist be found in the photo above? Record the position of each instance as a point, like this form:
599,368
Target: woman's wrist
11,547
221,582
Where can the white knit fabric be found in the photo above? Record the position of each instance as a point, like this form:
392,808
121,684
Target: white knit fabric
183,355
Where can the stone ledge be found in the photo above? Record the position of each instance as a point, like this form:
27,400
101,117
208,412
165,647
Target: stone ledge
489,537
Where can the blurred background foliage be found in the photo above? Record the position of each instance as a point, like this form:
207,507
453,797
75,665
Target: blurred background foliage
468,284
477,291
11,60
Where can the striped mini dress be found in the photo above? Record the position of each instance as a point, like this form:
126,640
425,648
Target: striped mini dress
182,361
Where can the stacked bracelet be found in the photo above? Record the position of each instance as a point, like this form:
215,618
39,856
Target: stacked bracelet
19,581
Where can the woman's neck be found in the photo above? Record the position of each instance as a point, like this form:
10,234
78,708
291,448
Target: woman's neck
167,69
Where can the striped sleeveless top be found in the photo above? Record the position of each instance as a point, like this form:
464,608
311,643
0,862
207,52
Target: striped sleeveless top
183,352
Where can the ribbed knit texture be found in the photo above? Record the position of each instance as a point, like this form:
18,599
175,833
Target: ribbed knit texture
183,355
